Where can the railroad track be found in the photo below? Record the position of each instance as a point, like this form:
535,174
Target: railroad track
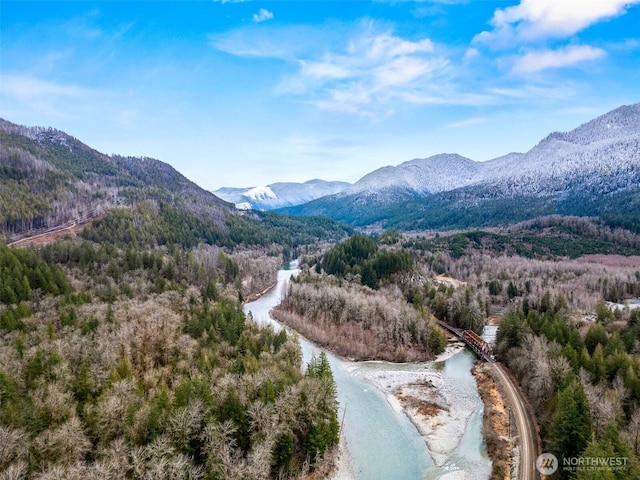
46,233
524,424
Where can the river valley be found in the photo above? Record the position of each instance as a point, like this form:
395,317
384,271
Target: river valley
385,438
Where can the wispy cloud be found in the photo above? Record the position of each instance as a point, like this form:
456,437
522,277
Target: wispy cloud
37,95
24,86
371,70
534,93
468,122
368,69
262,16
626,45
540,60
532,20
361,70
288,43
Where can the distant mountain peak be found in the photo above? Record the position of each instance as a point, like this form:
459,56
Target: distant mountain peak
261,193
279,195
587,169
420,176
616,124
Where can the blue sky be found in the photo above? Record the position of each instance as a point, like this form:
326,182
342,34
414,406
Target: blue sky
246,93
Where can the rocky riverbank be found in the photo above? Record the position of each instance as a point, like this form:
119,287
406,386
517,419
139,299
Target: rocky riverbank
440,409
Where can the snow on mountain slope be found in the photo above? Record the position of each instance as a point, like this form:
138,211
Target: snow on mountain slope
420,176
278,195
599,150
603,146
594,164
599,157
617,124
260,194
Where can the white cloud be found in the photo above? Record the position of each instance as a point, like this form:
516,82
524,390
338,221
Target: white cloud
370,71
341,70
262,16
468,122
540,60
24,93
470,54
27,87
386,45
403,71
324,70
449,95
367,73
289,43
528,93
538,19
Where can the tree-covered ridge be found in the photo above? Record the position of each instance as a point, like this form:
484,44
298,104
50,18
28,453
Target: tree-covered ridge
49,179
289,230
546,237
359,255
150,224
468,207
59,180
149,366
60,150
30,190
455,210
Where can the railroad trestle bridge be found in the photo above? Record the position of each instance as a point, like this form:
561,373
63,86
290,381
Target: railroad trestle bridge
479,346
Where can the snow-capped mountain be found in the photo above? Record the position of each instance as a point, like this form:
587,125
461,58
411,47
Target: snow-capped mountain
601,145
604,151
421,176
583,171
278,195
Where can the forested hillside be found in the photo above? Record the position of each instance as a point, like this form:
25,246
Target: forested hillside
126,354
550,237
593,170
136,363
124,351
58,180
49,179
550,282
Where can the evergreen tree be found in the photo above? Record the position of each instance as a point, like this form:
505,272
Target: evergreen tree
596,450
570,428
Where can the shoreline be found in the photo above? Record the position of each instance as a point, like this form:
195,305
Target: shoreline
439,413
341,463
439,410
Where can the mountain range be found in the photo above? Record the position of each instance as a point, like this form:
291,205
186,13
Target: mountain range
48,178
279,195
589,171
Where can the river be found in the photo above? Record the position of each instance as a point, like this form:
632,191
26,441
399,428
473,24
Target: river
382,442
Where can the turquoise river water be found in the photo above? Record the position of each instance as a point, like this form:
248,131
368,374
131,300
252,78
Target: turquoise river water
382,443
